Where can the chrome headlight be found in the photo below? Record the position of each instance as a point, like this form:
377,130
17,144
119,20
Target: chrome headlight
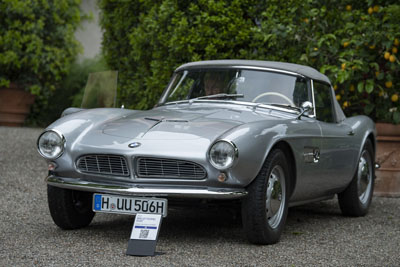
223,154
51,144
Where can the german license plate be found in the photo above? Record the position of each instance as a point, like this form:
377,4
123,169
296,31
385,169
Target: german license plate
129,205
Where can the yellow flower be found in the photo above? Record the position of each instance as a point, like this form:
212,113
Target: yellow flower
381,93
395,97
376,8
335,87
396,42
386,55
394,50
352,88
342,92
346,104
388,84
315,48
377,73
392,58
306,20
343,66
348,7
370,10
346,44
338,97
372,47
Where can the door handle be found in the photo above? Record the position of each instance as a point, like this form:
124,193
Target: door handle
351,133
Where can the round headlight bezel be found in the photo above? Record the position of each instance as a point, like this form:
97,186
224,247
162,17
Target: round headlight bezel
61,144
235,153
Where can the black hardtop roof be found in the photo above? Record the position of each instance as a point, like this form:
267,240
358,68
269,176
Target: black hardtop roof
290,67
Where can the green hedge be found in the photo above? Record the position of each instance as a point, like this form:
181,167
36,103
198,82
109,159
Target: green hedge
37,45
69,93
146,40
346,39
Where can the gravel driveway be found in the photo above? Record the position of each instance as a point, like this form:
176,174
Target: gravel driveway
315,235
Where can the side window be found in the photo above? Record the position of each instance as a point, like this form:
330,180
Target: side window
323,102
301,92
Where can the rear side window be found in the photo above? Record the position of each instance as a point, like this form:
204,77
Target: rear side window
323,102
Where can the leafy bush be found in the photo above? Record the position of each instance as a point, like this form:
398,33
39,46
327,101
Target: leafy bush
346,39
146,40
37,44
70,92
359,56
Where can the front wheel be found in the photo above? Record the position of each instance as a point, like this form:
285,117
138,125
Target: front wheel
356,198
265,209
70,209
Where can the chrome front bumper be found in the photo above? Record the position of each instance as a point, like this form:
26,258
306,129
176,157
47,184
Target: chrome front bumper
145,190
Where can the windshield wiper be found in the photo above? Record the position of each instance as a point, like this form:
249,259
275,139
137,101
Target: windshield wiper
285,106
219,96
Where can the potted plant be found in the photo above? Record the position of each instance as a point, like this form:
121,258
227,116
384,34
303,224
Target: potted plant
37,45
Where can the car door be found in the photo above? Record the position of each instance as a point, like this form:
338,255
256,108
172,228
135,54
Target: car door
337,151
306,144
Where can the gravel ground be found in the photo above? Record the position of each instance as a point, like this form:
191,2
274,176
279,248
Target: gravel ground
315,234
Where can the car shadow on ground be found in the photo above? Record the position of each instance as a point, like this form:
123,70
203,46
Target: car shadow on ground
213,225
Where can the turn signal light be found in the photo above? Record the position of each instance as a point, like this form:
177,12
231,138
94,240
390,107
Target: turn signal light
222,177
52,166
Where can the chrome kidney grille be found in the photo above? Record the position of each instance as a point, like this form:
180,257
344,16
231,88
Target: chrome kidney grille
169,168
103,164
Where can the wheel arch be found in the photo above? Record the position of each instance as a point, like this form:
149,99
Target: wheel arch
289,155
372,138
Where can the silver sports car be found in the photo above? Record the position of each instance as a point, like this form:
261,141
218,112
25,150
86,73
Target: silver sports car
267,135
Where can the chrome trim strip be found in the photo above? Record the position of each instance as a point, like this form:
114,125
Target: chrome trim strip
313,98
144,190
241,103
267,69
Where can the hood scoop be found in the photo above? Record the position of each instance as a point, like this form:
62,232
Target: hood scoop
162,119
177,120
154,119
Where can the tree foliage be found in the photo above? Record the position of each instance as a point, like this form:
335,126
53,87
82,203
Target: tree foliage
37,44
346,39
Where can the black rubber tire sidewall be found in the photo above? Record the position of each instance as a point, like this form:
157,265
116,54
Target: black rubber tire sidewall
349,201
63,210
254,218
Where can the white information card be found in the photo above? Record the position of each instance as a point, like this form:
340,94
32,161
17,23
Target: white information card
146,226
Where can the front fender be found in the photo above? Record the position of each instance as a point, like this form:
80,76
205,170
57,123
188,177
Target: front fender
74,124
254,141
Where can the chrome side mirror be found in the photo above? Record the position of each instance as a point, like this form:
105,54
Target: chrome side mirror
305,107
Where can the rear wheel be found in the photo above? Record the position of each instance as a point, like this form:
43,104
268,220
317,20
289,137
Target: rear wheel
70,209
265,209
356,198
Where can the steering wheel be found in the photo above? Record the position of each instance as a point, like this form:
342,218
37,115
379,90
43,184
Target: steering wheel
275,94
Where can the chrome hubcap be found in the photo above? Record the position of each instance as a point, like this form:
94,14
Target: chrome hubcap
275,200
364,177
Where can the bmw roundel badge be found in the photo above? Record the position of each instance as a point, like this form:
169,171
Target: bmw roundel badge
134,144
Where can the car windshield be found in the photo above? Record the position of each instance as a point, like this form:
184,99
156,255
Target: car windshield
264,87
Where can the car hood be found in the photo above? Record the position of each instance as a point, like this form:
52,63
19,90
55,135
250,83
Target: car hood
173,124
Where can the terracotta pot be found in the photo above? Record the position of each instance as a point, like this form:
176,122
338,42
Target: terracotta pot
388,156
15,104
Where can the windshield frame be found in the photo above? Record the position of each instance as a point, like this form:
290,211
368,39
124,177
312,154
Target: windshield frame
164,96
